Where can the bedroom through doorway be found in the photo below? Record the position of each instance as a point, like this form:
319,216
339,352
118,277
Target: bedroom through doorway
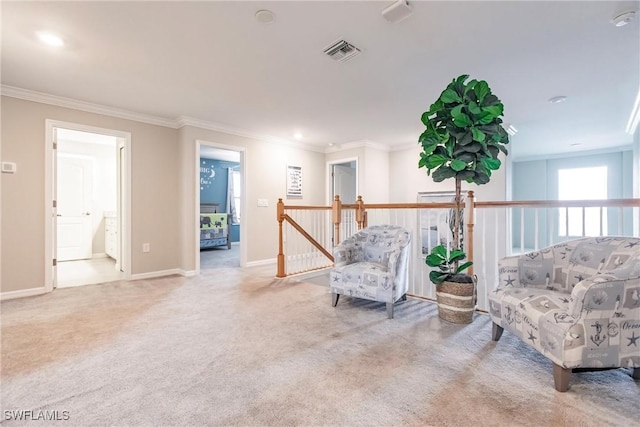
220,207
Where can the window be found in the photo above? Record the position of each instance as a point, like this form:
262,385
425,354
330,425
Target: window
237,193
582,184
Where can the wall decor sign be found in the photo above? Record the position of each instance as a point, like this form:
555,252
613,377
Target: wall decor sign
294,182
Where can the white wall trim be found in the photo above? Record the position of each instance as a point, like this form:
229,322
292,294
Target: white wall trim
177,123
356,144
187,273
23,293
159,273
261,262
572,154
59,101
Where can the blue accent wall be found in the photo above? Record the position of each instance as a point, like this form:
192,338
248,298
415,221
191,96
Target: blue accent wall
213,187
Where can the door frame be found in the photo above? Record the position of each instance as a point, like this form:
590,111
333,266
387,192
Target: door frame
330,164
243,199
123,203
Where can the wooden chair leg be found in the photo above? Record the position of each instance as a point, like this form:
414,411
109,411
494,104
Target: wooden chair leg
561,377
390,310
635,373
334,299
496,332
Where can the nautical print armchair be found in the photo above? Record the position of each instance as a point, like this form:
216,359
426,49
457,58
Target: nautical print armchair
372,264
577,303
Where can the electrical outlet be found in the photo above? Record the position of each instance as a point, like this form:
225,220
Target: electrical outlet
263,203
146,247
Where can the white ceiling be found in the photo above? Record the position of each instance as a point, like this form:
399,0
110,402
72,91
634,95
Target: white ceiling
214,62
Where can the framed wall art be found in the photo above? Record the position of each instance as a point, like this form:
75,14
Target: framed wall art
294,182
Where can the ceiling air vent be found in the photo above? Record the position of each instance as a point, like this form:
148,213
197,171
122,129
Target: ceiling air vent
341,51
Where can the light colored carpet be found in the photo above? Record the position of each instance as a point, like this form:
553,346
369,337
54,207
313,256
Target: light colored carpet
237,347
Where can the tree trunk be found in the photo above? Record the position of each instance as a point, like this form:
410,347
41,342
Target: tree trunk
456,218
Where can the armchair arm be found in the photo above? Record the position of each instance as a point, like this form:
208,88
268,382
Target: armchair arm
508,272
604,296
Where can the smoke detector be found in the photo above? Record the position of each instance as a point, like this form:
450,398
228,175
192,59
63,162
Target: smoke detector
341,51
397,11
624,18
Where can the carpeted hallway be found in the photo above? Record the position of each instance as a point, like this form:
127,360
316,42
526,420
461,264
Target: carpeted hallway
237,347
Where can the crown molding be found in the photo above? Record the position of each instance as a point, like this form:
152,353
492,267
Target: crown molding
356,144
594,152
404,147
217,127
59,101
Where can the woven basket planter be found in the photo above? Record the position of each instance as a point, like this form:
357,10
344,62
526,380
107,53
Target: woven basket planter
456,301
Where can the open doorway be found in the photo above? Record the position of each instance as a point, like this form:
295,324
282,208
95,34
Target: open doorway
343,180
220,207
87,170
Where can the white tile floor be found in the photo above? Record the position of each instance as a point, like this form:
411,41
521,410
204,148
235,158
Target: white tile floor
87,272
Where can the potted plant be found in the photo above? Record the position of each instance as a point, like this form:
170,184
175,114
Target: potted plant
462,140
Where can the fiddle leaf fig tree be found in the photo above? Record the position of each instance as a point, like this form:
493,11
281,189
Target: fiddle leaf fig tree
463,138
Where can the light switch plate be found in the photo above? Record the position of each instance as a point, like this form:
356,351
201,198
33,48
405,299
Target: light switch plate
8,167
263,203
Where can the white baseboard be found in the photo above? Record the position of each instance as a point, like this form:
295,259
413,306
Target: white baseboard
187,273
23,293
261,262
154,274
99,255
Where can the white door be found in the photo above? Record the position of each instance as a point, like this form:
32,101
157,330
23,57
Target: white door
344,182
74,189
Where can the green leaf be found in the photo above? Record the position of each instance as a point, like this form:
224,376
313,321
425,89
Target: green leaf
435,160
491,164
433,260
456,255
458,165
442,173
463,266
462,120
481,178
481,89
478,135
474,108
490,99
470,85
494,110
474,148
440,250
449,96
438,277
465,174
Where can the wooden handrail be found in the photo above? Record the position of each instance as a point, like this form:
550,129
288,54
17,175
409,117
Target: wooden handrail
561,203
360,211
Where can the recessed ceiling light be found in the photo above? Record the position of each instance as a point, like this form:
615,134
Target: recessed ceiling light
265,16
624,18
297,136
50,39
511,129
557,99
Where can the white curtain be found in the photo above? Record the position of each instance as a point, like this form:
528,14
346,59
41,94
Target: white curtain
231,201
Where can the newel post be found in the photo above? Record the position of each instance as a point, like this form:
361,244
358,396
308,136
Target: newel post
470,209
280,217
360,213
336,213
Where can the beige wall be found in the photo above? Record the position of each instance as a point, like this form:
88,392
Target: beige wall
373,172
406,180
154,191
265,173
